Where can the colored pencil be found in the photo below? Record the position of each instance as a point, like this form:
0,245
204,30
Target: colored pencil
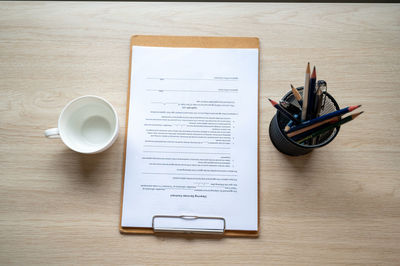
284,112
305,94
330,120
324,117
311,95
290,124
331,126
297,95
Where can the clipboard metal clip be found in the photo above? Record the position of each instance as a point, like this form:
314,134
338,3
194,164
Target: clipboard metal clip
188,224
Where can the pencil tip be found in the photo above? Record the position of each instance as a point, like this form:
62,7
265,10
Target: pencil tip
272,102
314,73
308,68
357,114
291,86
351,108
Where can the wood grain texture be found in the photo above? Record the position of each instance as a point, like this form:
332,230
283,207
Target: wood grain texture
338,205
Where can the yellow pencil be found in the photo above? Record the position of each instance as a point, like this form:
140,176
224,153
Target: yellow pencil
331,120
296,93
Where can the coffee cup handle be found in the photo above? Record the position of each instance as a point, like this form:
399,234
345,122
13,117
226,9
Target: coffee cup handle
52,133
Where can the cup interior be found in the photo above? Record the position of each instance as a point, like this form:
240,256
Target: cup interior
88,124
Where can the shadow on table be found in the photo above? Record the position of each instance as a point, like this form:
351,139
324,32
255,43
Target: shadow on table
86,168
300,164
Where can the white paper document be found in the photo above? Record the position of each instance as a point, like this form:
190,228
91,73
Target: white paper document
192,138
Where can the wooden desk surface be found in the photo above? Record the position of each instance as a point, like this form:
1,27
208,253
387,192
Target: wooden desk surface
337,205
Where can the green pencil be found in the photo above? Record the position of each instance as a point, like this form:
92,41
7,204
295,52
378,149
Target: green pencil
331,126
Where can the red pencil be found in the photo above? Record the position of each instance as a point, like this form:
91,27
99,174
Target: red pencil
284,112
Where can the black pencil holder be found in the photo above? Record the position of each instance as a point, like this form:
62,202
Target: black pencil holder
286,144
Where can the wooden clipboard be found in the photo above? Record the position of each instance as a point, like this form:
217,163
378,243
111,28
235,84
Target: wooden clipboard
192,42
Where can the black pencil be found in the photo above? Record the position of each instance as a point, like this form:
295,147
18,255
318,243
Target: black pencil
311,95
330,127
284,112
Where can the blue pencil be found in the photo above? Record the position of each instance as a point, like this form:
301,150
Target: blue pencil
324,117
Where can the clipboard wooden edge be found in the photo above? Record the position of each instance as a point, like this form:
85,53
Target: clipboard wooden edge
192,42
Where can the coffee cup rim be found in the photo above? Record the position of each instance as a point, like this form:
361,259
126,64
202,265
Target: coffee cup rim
108,143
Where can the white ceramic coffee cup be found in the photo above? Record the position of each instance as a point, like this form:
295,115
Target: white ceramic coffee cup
88,124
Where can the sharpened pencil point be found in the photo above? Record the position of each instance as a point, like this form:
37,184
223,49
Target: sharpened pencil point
354,107
314,73
296,93
308,68
272,102
357,114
